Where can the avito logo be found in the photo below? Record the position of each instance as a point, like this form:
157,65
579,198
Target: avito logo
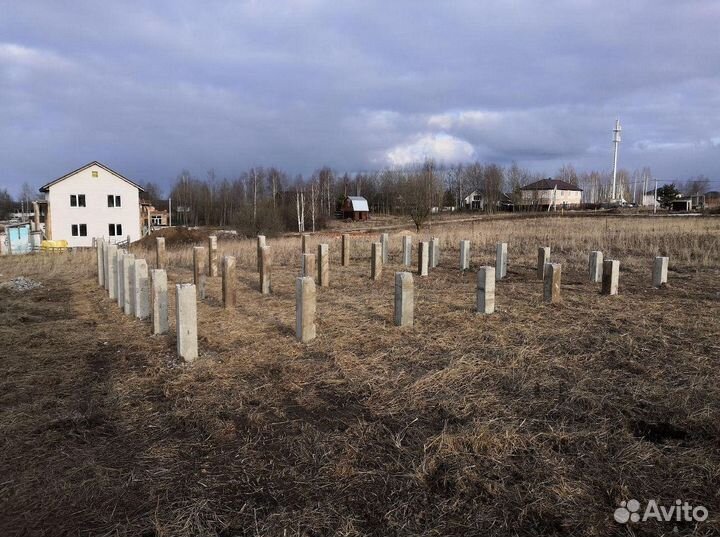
629,511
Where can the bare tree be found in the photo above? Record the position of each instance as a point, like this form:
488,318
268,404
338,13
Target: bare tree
421,190
314,195
153,193
696,186
494,179
568,174
300,208
517,177
255,192
623,183
27,193
454,185
275,179
6,204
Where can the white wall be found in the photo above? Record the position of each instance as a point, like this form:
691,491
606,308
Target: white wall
648,200
545,197
96,213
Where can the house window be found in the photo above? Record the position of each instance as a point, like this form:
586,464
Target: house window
115,230
79,230
94,174
73,200
156,220
77,200
113,201
81,200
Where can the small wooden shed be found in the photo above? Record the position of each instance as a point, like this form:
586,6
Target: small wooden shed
355,208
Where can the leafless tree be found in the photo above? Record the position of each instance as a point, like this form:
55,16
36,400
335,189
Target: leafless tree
421,192
493,182
695,186
568,174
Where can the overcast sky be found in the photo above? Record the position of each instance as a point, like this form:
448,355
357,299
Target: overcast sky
150,88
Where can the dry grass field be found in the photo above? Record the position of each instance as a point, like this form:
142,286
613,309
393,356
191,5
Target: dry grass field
537,420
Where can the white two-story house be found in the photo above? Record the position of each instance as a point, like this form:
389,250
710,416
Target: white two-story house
92,201
551,193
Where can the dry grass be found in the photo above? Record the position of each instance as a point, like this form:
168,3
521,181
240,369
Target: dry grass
537,420
691,242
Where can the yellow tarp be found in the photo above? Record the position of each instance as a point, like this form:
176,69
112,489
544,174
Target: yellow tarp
53,245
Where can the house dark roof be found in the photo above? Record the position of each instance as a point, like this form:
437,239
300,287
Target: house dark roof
46,188
159,205
550,184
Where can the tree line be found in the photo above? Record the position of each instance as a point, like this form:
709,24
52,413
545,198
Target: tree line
271,200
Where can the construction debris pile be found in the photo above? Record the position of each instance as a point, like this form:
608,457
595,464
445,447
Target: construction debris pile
20,284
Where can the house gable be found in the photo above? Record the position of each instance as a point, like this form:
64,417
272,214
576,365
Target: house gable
93,201
87,167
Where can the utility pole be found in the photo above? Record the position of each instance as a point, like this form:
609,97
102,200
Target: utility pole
655,199
635,187
616,143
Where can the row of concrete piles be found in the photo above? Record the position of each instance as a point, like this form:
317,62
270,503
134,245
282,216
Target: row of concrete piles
603,271
319,264
143,293
606,272
428,257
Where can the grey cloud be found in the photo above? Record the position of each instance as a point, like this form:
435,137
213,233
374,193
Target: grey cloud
152,88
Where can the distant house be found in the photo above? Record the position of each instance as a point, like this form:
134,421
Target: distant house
154,215
648,199
92,201
474,201
355,208
550,193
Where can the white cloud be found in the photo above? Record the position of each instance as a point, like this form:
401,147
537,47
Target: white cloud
441,147
12,54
